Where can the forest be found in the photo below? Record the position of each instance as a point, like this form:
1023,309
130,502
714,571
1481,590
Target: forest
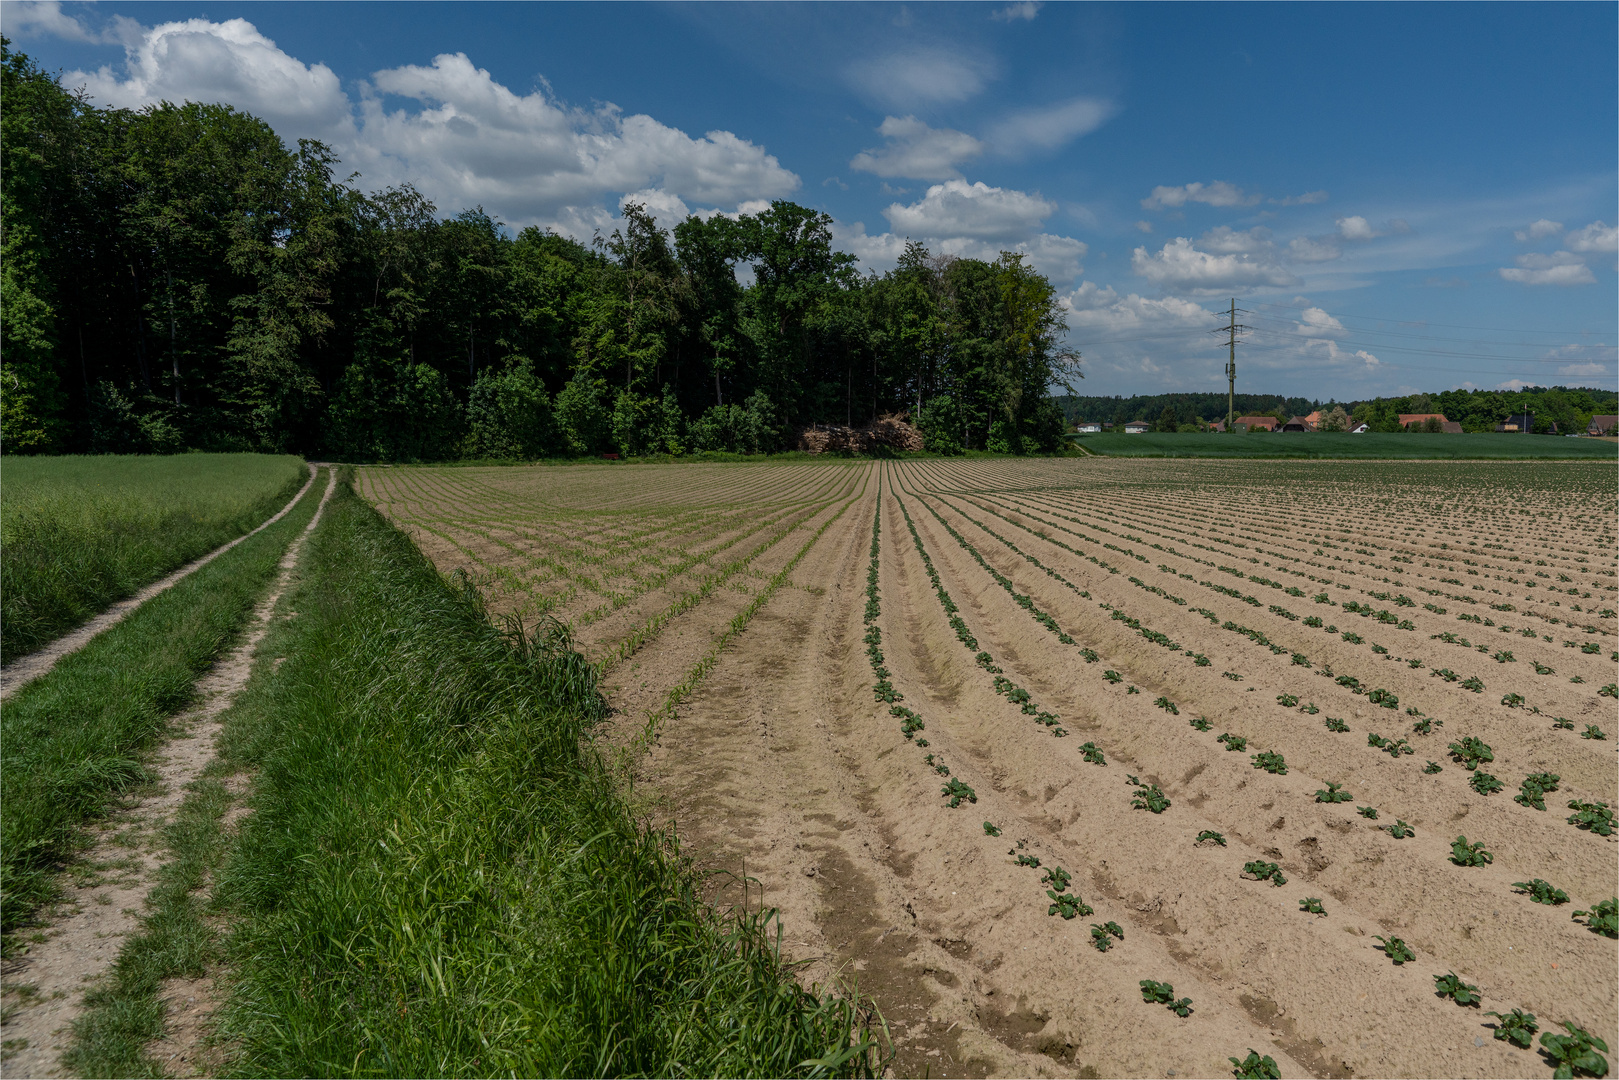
177,278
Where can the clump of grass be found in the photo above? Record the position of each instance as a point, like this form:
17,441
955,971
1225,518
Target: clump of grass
479,873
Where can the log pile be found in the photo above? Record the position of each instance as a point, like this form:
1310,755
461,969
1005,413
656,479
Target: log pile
893,431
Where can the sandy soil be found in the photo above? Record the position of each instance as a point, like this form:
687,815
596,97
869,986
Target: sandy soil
780,767
45,982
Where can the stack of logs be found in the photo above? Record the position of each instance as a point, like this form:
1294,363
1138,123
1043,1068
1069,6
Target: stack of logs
892,431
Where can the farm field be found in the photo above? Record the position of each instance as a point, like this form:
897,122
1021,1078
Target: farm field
1370,445
1005,739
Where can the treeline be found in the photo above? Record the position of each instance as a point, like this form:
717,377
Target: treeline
1559,409
177,278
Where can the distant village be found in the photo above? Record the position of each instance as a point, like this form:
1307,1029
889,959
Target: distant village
1339,421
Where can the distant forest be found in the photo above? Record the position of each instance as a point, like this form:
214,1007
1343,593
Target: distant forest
178,278
1560,409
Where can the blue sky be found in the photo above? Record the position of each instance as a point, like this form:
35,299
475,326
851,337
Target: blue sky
1405,197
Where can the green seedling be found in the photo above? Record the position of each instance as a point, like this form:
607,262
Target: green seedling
1609,690
1395,747
1265,871
1210,834
1131,690
1286,701
1512,701
1464,854
1057,878
1232,675
1310,709
1112,676
1575,1054
1201,723
1335,724
1369,812
1383,698
1168,706
1234,742
1602,919
1271,762
1446,674
1068,905
1300,660
1450,986
1542,892
1535,788
1516,1027
1157,993
1254,1067
1089,655
1473,684
1504,657
1542,669
1332,794
1311,905
1374,739
1433,767
1102,935
955,791
1093,754
1593,732
1400,830
1027,860
1484,783
1397,950
1148,797
1562,724
1426,725
991,830
1471,752
1595,816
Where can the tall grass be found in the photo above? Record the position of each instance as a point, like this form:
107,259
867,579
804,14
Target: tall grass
74,738
77,533
439,878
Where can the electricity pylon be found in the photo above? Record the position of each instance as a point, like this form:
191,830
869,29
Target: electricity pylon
1231,330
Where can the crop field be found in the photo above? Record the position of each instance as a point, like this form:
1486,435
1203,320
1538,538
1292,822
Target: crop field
1114,767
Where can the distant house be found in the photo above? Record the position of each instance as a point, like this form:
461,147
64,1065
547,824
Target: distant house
1299,423
1517,422
1218,425
1256,423
1451,427
1090,428
1314,421
1359,429
1137,427
1418,419
1602,425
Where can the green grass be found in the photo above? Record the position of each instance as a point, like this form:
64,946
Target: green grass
1373,445
439,876
74,738
78,533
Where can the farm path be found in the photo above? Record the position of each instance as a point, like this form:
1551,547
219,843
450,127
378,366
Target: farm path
44,986
25,669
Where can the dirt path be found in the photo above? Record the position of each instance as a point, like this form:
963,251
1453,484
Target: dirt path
25,669
44,986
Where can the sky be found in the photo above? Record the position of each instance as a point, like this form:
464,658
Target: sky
1398,197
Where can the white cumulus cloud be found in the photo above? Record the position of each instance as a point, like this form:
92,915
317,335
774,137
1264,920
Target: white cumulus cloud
1313,249
916,151
1181,266
1538,229
1309,198
957,208
1050,126
1598,236
1025,11
1218,193
1314,322
920,76
1356,228
1559,268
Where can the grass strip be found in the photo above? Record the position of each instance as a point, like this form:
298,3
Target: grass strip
439,876
81,532
74,738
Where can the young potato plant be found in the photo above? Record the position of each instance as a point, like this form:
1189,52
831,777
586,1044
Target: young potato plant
1026,860
1593,732
1542,669
1148,797
1332,794
1232,675
1335,724
1254,1067
1131,690
1211,836
1575,1054
1068,905
1397,950
1112,676
1595,816
1450,986
1310,709
1093,754
1201,723
1484,783
990,829
1535,788
1473,684
1167,705
1542,892
1433,767
1602,919
1265,871
1464,854
1400,830
1516,1027
1471,752
1057,878
1234,742
1270,761
1287,701
1369,812
1311,905
1102,935
1426,725
1157,993
1512,701
1384,698
955,791
1562,724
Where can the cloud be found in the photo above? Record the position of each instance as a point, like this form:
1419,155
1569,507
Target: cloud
1309,198
26,19
1356,228
917,151
466,140
920,76
1598,236
1314,323
1560,268
1218,193
1225,240
957,208
1313,249
1537,229
1144,226
1051,126
1099,311
1025,11
1181,266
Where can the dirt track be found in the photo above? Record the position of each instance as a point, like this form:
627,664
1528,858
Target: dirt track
780,764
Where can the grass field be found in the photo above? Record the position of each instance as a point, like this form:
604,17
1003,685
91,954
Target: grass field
1373,445
77,533
1012,737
